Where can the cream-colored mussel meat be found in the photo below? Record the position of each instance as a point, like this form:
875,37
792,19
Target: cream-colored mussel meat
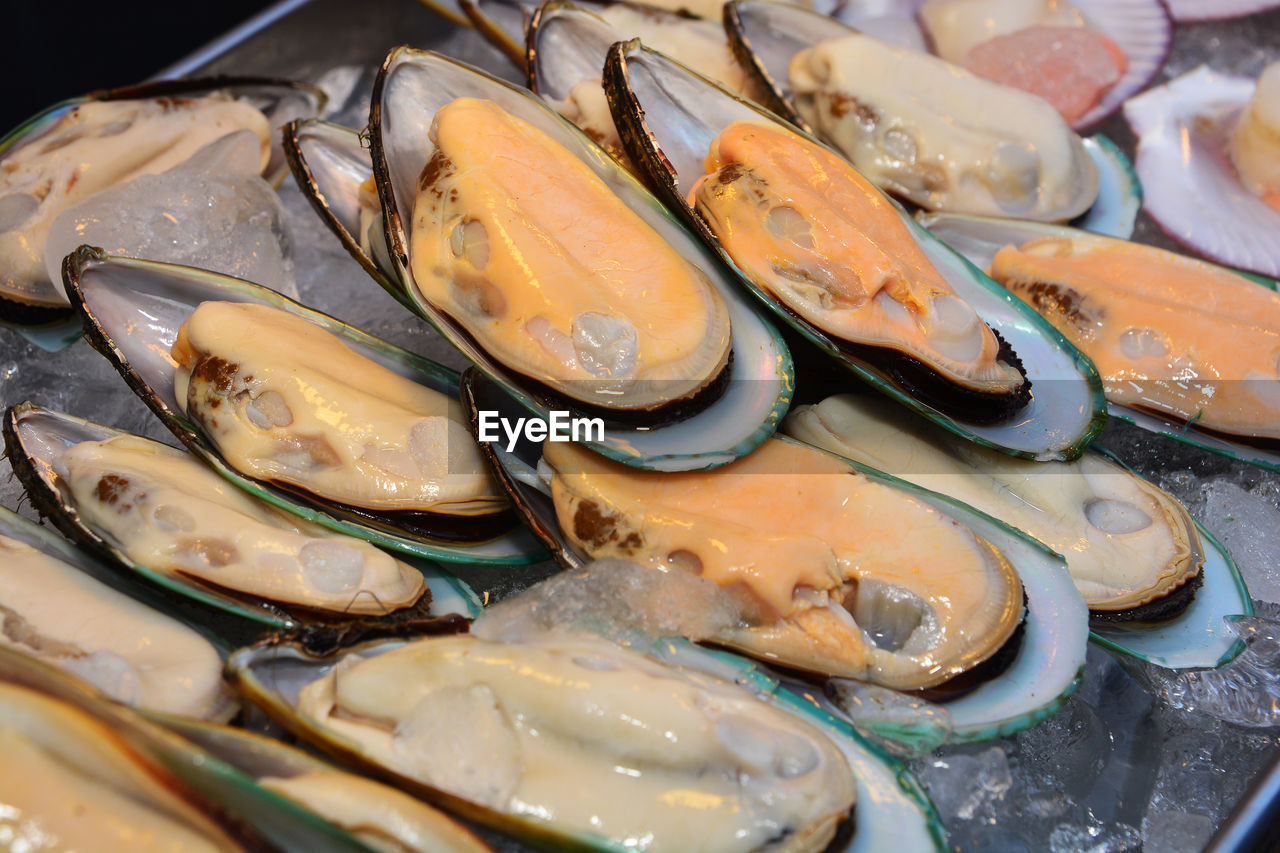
589,736
941,136
835,573
68,782
169,512
522,244
96,145
285,400
1126,541
130,652
382,817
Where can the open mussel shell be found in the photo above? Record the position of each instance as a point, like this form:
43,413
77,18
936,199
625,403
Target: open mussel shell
767,35
978,238
1047,667
36,437
1029,496
1199,637
329,164
409,89
1183,129
264,758
668,117
14,526
254,817
891,804
773,32
132,311
43,303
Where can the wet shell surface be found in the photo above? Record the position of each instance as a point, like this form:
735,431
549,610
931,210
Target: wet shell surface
1184,129
134,310
373,812
671,120
186,769
710,428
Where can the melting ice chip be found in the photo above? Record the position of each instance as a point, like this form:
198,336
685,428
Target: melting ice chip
212,211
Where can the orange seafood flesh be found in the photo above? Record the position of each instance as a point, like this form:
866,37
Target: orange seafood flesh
826,243
835,573
1167,332
552,273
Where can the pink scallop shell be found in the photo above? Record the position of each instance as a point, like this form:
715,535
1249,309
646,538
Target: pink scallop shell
1191,187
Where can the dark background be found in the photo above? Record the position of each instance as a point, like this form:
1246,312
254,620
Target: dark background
54,49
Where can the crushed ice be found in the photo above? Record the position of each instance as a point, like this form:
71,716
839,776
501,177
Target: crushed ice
212,211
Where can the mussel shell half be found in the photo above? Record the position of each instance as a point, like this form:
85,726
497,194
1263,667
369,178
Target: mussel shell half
774,32
978,238
670,115
766,35
503,23
35,437
1047,667
259,756
258,819
39,302
132,311
891,804
410,87
329,164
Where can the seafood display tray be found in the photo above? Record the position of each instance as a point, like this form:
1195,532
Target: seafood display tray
338,46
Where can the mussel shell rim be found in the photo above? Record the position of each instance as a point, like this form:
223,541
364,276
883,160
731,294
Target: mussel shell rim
310,188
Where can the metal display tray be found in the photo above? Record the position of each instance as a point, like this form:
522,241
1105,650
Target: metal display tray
338,45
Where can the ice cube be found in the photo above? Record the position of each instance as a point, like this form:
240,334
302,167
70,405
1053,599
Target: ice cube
1246,523
1176,832
967,785
617,599
211,211
1247,690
